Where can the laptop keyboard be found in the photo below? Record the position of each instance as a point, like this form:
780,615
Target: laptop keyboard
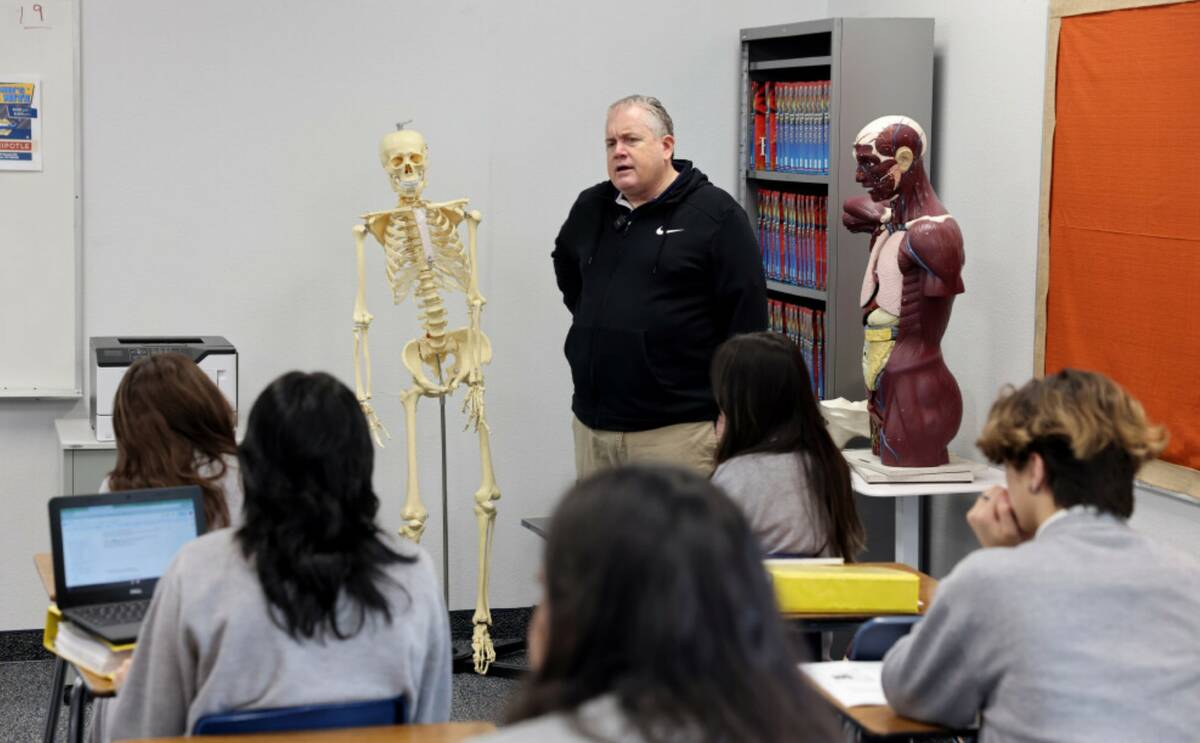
108,615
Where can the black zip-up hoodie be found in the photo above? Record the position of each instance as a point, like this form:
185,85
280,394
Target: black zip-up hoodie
653,292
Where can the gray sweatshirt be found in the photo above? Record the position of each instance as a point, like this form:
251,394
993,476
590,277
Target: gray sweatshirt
598,720
1088,632
774,494
208,645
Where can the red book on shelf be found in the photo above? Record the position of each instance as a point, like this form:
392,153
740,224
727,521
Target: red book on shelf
772,133
821,234
759,97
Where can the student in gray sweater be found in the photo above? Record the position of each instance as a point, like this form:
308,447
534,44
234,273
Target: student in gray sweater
658,624
775,457
308,602
1069,625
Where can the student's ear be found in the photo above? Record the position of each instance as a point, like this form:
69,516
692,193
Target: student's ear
1035,470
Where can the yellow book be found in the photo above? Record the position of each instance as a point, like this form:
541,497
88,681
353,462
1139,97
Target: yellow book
848,589
80,647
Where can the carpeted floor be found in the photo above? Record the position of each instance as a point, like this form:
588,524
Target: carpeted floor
25,692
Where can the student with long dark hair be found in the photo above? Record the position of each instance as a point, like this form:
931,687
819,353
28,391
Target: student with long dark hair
658,623
775,458
308,602
174,427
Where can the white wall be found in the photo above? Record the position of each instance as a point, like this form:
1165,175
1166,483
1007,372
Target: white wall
229,146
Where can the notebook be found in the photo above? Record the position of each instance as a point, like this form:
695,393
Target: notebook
110,550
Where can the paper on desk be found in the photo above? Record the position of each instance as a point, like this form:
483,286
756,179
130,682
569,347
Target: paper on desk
769,561
851,682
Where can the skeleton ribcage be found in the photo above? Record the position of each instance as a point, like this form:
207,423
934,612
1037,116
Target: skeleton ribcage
406,256
411,268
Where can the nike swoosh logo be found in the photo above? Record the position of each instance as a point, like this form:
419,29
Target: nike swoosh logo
660,231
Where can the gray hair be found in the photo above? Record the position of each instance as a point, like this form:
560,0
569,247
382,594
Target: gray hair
659,120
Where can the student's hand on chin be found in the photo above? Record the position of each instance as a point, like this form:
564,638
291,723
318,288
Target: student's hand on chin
993,521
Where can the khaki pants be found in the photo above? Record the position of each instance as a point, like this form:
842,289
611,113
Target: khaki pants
690,445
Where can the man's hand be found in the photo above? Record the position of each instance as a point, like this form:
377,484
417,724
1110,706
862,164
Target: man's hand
993,521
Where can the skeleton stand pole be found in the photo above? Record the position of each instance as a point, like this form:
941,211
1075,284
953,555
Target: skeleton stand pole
445,510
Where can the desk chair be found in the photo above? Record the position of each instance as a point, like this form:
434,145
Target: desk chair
305,717
877,636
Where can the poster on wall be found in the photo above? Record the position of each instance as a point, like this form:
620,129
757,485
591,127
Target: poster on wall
20,122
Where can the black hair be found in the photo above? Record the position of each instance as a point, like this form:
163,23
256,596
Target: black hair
656,594
310,510
763,388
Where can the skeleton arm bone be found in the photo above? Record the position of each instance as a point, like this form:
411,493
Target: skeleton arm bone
362,321
473,404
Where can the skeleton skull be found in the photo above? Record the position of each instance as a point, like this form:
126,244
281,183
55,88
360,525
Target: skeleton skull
404,155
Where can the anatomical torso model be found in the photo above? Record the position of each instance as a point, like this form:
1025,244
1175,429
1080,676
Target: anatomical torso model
913,274
424,256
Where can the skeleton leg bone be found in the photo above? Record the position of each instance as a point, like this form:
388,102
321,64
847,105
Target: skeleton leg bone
483,653
414,513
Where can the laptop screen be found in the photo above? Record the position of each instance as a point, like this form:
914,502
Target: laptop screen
123,542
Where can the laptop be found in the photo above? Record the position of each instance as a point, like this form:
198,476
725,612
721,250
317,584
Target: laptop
111,549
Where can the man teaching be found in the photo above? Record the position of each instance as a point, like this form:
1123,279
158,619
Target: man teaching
658,266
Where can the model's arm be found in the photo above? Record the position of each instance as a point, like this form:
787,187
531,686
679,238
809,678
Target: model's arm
739,287
860,214
161,683
938,248
945,668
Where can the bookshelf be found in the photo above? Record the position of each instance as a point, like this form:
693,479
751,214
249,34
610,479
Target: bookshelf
831,77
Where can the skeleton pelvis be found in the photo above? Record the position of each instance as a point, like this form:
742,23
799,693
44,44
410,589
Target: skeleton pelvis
450,367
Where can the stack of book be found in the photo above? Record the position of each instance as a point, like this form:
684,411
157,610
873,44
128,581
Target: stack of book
790,127
806,327
793,238
80,647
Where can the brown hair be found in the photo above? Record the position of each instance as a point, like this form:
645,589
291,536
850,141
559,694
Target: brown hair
167,415
1091,434
762,385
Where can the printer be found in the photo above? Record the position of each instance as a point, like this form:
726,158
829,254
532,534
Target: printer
111,356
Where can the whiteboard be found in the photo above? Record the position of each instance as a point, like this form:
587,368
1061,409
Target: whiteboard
40,304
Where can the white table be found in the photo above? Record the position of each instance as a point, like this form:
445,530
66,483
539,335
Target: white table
908,505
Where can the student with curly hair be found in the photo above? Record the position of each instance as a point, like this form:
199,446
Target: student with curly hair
1069,625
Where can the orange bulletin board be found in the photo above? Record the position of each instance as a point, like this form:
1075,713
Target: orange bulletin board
1119,263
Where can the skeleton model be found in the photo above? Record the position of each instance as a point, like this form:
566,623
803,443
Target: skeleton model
424,256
